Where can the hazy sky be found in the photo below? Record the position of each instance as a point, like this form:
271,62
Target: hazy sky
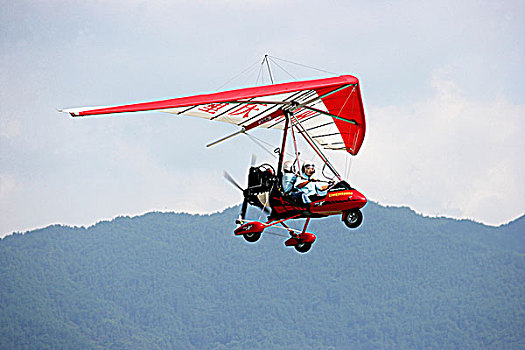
442,82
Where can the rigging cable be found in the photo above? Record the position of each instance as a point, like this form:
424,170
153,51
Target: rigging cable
238,75
303,65
259,75
259,143
284,70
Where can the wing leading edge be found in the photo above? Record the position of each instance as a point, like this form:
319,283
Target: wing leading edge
330,110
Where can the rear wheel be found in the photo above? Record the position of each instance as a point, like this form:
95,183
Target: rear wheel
252,237
353,218
303,247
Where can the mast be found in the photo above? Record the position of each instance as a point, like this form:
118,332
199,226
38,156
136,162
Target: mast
287,115
269,69
281,152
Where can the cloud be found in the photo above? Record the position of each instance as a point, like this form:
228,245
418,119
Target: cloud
7,185
9,129
448,155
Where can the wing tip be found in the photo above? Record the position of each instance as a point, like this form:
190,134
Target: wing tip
70,112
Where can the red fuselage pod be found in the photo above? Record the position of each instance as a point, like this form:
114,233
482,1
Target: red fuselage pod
305,237
338,201
250,227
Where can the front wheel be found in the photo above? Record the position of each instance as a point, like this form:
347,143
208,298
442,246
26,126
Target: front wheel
353,218
303,247
252,237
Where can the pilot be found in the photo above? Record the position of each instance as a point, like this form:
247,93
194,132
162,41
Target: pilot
307,184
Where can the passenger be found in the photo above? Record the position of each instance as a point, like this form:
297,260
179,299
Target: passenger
289,177
289,180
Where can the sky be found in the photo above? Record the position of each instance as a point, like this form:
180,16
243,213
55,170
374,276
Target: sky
442,84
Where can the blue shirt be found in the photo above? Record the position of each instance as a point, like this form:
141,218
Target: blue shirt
288,182
310,188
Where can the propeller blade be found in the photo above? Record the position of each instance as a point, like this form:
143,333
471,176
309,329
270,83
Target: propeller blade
254,159
231,180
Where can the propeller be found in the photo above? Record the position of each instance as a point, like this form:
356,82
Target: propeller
231,180
244,206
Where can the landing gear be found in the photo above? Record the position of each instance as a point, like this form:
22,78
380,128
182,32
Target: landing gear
303,247
252,237
353,218
244,207
251,231
302,242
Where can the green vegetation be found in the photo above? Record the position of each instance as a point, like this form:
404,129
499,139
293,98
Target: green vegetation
183,281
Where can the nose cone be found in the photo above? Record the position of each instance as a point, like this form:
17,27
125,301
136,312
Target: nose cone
359,198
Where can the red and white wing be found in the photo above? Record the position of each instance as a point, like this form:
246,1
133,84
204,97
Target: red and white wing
330,110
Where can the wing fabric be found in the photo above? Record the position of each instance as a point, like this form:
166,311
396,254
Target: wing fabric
330,110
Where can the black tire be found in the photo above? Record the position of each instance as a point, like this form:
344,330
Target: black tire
353,218
252,237
303,247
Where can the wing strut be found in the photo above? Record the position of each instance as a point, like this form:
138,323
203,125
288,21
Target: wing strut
226,137
250,126
312,144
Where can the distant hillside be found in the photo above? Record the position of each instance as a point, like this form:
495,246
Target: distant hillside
161,280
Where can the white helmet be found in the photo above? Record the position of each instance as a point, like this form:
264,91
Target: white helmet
287,166
307,164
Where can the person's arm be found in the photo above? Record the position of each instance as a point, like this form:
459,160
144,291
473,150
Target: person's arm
319,188
299,184
302,184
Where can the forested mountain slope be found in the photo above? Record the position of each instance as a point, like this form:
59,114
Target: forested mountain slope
166,280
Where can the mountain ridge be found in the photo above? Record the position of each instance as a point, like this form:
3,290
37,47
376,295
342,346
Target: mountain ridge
171,280
518,221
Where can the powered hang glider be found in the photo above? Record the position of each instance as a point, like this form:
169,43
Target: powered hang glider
328,113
